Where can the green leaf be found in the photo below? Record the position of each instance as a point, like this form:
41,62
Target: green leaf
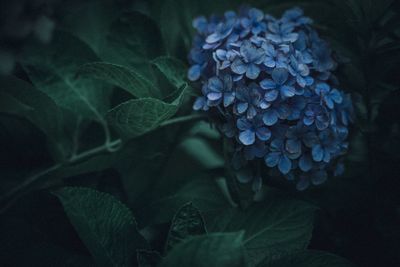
173,69
203,193
52,68
213,250
128,79
105,225
309,258
139,116
274,227
148,258
186,222
22,99
133,40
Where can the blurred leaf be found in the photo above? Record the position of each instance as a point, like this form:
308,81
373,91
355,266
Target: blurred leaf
127,79
186,222
203,193
133,40
308,258
104,224
139,116
147,258
52,69
213,250
173,69
22,99
275,227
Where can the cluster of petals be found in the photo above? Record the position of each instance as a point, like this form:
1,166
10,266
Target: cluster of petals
269,84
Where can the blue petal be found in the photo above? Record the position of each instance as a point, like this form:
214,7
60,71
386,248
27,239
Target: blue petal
243,124
242,107
229,98
270,117
308,120
214,96
238,66
305,163
303,184
247,137
269,62
336,96
319,177
279,75
268,84
213,38
194,72
263,133
293,146
288,91
291,37
271,95
252,71
285,165
199,103
272,159
317,153
215,85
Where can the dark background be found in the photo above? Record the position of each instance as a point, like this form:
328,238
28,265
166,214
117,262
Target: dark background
359,215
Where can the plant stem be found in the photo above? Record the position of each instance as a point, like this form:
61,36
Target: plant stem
109,146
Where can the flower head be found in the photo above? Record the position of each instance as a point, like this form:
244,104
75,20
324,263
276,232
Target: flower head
267,84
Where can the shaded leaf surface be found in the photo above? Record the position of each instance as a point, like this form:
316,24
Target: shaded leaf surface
275,227
213,250
104,224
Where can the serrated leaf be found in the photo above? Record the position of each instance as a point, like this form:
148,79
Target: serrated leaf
275,227
128,79
105,225
213,250
186,222
139,116
309,258
52,69
173,69
148,258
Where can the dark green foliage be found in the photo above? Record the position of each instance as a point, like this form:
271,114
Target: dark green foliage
101,116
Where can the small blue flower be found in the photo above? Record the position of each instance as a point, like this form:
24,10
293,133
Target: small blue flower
221,89
250,129
317,114
200,24
247,100
251,57
295,16
254,21
272,56
300,71
224,56
279,83
326,146
278,156
221,32
328,95
281,33
276,111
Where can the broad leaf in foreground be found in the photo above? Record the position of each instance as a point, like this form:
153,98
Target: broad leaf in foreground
173,69
213,250
121,76
52,69
275,227
105,225
139,116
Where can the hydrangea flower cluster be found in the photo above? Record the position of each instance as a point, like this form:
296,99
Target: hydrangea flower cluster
268,83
